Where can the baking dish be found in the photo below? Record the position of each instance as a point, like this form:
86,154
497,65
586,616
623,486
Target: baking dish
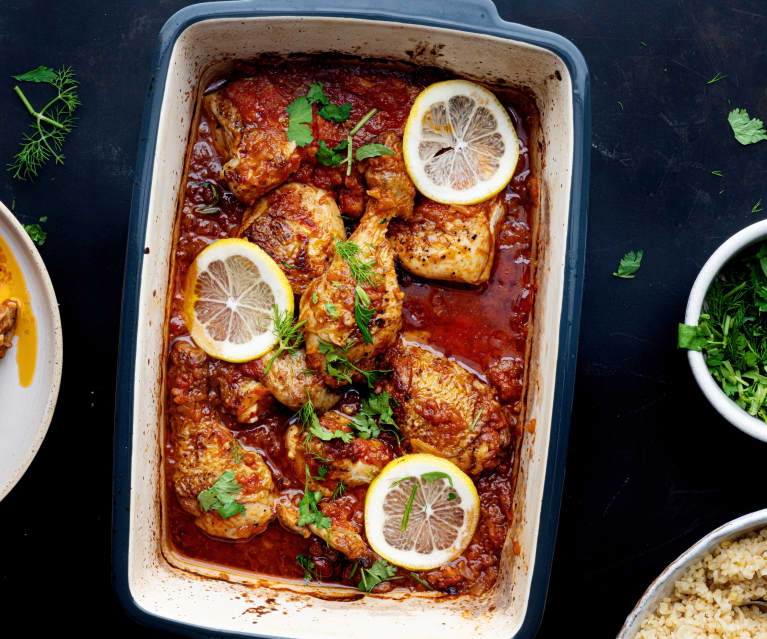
468,39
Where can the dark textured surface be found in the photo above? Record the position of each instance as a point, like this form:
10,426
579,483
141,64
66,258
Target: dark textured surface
651,466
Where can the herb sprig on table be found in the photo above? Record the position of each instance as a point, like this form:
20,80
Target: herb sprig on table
732,330
51,124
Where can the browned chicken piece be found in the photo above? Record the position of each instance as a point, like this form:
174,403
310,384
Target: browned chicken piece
250,133
344,533
246,398
355,463
296,225
445,410
203,451
289,379
327,305
9,312
449,241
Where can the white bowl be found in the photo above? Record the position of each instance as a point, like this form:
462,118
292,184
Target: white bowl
26,412
664,584
713,392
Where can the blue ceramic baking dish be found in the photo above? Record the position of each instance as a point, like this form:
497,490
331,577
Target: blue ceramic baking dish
161,589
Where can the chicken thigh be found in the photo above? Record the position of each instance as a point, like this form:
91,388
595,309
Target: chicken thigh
251,124
445,410
354,464
328,304
9,311
449,241
204,449
296,225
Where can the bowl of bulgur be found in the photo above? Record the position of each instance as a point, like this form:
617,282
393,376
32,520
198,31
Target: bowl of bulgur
708,591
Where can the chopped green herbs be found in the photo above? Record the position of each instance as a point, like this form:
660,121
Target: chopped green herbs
380,571
235,451
371,151
408,507
620,105
732,330
363,313
476,418
315,299
434,475
337,365
308,511
308,418
757,208
718,76
331,157
51,124
375,415
300,117
340,489
219,496
288,266
361,271
288,333
331,309
746,130
629,265
308,567
329,111
717,173
36,232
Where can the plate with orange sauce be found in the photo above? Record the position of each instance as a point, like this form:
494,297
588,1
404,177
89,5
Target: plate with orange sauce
30,371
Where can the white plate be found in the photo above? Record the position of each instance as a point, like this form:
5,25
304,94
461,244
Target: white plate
25,413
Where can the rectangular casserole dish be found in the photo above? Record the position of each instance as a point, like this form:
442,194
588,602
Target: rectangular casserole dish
470,40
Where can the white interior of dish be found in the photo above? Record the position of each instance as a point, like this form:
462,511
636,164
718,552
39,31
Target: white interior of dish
171,590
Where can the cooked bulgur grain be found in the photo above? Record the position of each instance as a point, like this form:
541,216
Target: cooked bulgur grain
707,602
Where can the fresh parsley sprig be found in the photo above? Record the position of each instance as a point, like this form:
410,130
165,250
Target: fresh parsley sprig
220,496
288,333
338,365
629,265
380,571
375,415
311,422
746,130
36,232
308,567
51,124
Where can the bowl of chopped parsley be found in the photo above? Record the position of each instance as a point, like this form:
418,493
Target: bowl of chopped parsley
725,330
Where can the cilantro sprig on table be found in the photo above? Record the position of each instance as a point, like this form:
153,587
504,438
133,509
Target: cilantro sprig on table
732,331
220,496
629,265
746,130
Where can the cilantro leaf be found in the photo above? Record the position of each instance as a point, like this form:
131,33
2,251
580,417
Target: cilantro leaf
372,151
372,408
380,571
746,130
690,337
308,417
300,112
308,511
336,113
330,157
36,232
337,365
40,74
629,265
435,475
308,567
316,95
219,496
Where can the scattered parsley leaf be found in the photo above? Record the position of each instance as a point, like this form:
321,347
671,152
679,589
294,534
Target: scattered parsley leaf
314,297
372,151
337,365
219,496
690,337
51,125
300,112
308,418
212,188
308,511
331,157
629,265
718,76
757,208
316,95
36,232
308,566
451,496
290,267
288,333
380,571
746,130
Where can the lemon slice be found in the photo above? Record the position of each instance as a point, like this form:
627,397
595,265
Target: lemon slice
231,289
433,500
460,146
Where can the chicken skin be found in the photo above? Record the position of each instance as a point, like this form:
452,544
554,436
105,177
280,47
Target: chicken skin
296,225
246,398
448,241
251,124
204,449
290,380
355,464
445,410
328,304
9,312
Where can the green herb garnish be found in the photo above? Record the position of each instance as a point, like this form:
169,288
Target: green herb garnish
340,489
219,496
371,151
717,173
476,418
361,271
288,333
300,117
308,417
746,130
732,330
718,76
363,313
380,571
337,365
629,265
308,511
435,475
757,208
235,451
331,157
308,566
331,309
52,123
425,584
36,232
409,506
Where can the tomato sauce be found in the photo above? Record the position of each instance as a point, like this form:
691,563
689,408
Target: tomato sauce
484,327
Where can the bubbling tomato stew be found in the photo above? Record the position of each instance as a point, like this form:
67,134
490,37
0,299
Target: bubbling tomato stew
485,327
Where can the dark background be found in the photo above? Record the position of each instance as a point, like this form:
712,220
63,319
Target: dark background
651,466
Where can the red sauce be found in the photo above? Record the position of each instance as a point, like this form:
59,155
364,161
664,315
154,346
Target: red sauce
485,327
